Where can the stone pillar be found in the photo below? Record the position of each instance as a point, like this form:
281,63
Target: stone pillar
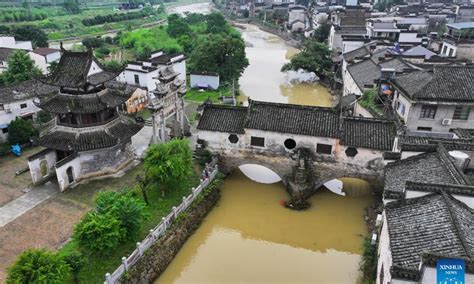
162,124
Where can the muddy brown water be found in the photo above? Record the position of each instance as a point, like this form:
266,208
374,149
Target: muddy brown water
249,237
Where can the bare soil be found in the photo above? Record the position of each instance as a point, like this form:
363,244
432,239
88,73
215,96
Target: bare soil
49,225
11,185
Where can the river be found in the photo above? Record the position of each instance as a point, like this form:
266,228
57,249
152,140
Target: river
249,237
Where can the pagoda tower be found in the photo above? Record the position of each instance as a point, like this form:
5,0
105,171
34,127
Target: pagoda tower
88,137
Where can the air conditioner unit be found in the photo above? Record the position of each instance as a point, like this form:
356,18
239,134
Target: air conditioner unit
8,110
446,121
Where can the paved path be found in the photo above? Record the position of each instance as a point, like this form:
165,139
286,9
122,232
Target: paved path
141,140
24,203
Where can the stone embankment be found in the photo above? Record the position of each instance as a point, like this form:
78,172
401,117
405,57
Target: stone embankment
157,258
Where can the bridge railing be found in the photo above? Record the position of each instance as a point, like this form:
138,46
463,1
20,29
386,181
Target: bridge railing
208,174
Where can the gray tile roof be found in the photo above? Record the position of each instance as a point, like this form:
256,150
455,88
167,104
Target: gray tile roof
24,91
419,51
432,167
113,96
434,224
119,131
364,73
223,119
356,53
73,69
301,120
427,143
443,83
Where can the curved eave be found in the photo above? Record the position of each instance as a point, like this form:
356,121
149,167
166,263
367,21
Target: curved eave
106,137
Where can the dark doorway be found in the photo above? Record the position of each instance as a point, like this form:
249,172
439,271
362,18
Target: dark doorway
70,175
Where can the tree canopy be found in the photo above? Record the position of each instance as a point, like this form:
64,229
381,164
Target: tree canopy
321,34
169,164
72,6
20,68
314,57
20,131
38,266
27,32
177,26
220,53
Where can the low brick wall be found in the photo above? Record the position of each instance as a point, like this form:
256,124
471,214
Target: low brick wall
157,258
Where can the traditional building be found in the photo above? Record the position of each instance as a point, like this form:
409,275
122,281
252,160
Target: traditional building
437,100
17,101
87,137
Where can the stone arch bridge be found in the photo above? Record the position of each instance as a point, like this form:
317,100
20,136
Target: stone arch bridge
306,146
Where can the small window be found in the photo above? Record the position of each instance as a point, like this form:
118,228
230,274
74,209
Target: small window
5,130
461,112
137,79
257,141
351,152
444,50
421,128
2,107
290,144
428,111
324,149
23,105
400,108
451,52
233,138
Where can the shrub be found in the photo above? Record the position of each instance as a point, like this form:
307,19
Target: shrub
98,233
20,131
129,210
75,260
368,264
38,266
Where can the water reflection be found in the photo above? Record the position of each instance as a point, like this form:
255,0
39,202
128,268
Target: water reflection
259,173
250,238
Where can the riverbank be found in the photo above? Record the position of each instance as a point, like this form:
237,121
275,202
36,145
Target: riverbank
159,256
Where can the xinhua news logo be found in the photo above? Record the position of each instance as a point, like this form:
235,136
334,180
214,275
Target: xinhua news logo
450,271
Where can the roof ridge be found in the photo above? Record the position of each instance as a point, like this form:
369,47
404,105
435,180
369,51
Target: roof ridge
438,187
457,174
286,105
409,159
409,201
455,223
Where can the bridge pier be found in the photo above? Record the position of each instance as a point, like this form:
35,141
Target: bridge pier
302,171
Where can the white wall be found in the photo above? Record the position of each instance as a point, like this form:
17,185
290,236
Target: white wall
61,172
350,86
446,47
146,80
275,141
35,165
212,81
384,254
12,110
9,42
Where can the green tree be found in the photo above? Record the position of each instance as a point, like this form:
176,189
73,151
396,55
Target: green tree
98,233
72,6
130,211
33,33
20,67
53,66
314,57
20,131
169,164
177,26
38,266
113,65
75,260
216,23
321,34
220,53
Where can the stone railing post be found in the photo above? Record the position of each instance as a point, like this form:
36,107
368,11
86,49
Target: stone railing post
174,212
140,250
124,262
107,278
163,220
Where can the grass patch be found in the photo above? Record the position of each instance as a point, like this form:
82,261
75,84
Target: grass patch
145,113
97,265
368,264
368,102
194,95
